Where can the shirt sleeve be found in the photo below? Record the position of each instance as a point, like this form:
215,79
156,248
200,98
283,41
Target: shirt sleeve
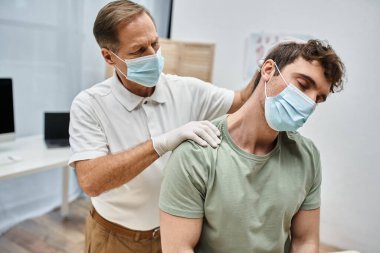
313,198
184,187
210,101
87,138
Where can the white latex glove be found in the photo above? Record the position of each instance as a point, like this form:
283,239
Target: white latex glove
202,132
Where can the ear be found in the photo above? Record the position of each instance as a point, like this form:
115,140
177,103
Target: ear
267,70
107,55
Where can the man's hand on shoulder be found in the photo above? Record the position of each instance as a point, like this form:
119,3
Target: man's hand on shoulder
202,132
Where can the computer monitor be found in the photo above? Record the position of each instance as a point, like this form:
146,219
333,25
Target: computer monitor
7,123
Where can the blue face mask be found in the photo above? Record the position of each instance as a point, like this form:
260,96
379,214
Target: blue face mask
289,110
144,70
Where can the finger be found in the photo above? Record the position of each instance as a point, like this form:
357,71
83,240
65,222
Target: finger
198,140
212,127
211,133
205,136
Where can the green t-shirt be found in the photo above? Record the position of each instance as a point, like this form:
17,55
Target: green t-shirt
247,201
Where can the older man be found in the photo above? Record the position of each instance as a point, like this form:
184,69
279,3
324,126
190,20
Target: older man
122,128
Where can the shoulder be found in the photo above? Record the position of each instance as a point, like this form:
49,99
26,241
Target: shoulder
220,121
184,82
85,105
195,88
196,160
98,90
301,141
175,79
192,153
190,147
302,149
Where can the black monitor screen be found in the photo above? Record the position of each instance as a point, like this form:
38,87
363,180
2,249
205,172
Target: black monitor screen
6,106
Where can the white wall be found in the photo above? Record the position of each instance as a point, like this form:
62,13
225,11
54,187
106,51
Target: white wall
38,50
346,127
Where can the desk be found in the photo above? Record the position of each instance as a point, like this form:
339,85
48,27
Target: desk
36,157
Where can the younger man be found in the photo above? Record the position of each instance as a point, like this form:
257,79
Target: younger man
261,186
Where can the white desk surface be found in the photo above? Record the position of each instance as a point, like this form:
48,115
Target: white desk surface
35,157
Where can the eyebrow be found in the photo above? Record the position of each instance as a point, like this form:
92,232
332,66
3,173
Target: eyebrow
312,82
137,45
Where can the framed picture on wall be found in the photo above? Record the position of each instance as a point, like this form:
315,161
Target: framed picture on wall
259,44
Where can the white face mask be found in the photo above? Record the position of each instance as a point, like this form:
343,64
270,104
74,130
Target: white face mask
144,70
289,110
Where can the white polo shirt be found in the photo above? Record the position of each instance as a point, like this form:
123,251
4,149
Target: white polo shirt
107,119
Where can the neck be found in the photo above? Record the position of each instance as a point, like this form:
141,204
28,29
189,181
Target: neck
135,88
248,127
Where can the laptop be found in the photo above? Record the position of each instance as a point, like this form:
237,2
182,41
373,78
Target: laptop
57,129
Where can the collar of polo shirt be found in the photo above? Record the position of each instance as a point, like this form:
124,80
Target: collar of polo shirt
130,101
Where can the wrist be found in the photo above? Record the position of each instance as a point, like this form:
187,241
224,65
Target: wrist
158,145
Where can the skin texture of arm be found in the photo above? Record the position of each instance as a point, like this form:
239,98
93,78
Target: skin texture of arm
104,173
178,234
305,231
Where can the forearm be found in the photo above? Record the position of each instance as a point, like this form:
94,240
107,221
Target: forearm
247,91
242,96
299,246
111,171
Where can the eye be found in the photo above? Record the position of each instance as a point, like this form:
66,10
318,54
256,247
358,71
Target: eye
140,51
302,84
156,45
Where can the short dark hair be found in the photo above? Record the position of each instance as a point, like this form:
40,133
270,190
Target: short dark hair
110,16
313,50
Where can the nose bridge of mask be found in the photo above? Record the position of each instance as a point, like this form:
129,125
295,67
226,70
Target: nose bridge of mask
143,58
139,59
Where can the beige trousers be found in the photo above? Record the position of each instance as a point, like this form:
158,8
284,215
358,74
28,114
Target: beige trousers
103,236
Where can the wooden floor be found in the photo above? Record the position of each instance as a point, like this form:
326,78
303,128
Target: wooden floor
52,234
49,233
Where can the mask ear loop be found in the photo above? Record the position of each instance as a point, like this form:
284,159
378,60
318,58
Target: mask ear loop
259,66
275,64
265,83
117,56
121,72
